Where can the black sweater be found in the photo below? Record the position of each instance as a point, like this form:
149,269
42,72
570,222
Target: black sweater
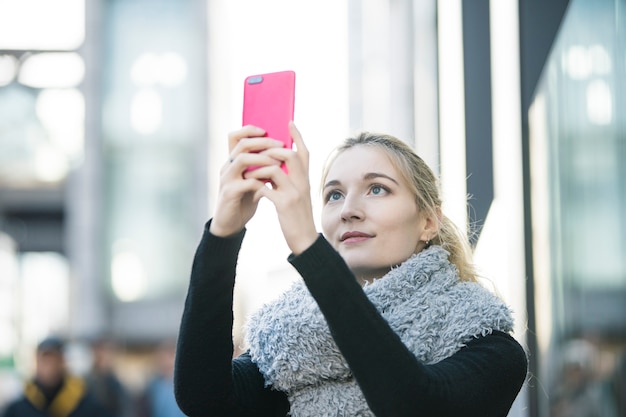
482,379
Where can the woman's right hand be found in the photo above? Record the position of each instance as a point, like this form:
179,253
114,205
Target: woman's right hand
236,201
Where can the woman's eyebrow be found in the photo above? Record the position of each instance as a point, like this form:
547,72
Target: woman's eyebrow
372,175
332,183
367,177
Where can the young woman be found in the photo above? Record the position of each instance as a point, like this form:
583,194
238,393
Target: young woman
388,319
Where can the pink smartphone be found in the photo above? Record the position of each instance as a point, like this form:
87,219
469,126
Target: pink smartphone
268,102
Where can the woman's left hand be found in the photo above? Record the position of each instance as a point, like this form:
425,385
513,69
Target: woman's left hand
290,193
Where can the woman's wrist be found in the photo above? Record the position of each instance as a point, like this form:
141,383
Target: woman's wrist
303,242
218,230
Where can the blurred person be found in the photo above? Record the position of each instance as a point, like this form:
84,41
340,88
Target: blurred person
103,381
158,398
53,391
388,318
578,392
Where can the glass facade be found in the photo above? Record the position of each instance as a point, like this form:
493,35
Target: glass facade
153,128
578,141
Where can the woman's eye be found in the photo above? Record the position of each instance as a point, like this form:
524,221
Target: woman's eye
378,190
333,196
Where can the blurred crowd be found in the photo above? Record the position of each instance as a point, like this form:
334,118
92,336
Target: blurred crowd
586,385
57,389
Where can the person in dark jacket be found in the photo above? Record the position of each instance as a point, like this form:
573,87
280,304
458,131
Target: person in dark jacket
53,391
103,381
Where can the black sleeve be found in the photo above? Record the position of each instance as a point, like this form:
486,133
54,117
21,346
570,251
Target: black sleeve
207,381
482,379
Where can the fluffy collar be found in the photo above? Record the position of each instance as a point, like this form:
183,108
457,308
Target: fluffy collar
422,300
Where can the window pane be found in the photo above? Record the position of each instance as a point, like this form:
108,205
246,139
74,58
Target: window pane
153,128
582,96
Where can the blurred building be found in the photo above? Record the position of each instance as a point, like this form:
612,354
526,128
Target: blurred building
113,115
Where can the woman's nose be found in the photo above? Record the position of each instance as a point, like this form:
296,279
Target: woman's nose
352,210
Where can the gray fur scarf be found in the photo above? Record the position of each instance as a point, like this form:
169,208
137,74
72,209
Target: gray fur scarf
423,301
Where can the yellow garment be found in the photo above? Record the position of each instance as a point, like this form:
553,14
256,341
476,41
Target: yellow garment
64,402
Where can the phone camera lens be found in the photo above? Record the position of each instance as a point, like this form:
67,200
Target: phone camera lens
255,80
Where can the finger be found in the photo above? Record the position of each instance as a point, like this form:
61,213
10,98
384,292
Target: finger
288,185
272,173
297,138
244,161
302,150
296,162
247,131
255,144
261,192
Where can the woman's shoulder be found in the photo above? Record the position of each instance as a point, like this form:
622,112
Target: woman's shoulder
500,346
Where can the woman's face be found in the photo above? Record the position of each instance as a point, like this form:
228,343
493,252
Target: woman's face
370,215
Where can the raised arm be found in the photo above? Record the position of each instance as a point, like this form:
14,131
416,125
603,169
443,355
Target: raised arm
482,379
207,381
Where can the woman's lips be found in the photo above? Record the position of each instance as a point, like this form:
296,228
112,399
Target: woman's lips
354,237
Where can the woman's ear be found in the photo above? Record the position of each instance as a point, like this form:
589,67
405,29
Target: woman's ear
432,225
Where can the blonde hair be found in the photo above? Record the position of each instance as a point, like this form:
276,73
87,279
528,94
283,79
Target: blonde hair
425,185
